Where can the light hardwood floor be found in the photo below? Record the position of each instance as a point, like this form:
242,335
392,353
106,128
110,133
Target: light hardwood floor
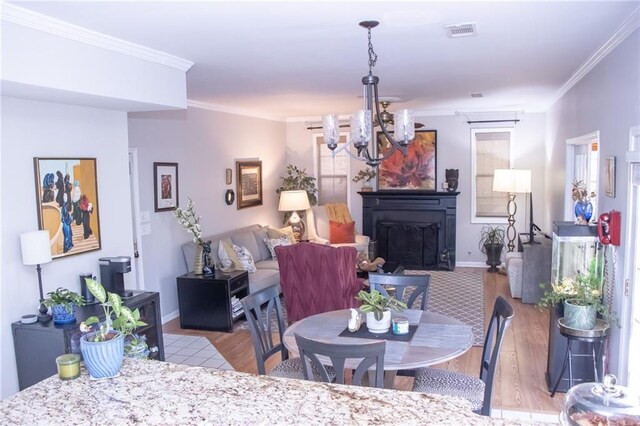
519,383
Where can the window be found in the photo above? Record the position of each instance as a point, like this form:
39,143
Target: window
490,150
332,172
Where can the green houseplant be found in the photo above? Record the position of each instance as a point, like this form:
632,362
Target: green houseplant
581,297
103,347
491,243
378,309
365,175
190,222
298,179
63,304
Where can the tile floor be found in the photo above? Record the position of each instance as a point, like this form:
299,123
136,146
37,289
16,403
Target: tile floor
196,350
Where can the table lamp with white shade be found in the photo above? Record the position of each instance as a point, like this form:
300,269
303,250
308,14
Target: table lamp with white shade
513,181
295,201
36,250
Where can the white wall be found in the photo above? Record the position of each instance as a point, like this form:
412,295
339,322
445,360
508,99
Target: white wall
39,129
453,152
607,99
204,143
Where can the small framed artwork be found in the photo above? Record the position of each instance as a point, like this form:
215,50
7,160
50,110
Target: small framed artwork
165,182
227,176
610,177
248,183
416,170
68,207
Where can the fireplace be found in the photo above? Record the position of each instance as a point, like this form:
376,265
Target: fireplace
417,229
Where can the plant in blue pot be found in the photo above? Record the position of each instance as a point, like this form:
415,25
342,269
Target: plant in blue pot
63,304
103,346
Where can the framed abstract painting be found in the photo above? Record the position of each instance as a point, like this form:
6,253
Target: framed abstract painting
68,207
248,183
416,170
165,182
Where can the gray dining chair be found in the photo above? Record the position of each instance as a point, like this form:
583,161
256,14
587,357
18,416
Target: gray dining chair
476,390
416,285
371,354
263,323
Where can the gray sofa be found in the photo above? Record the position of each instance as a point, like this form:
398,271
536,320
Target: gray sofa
250,237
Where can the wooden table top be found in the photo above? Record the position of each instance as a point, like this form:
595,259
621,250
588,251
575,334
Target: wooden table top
438,338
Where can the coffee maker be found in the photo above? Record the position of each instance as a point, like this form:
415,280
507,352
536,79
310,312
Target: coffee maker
112,270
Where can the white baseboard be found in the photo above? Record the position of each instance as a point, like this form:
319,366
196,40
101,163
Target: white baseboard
471,265
170,316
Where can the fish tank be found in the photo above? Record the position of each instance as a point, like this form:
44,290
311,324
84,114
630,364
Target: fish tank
575,249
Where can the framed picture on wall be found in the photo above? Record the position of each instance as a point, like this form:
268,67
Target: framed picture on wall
68,207
416,170
610,176
249,183
165,183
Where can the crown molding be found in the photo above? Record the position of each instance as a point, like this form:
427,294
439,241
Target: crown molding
27,18
628,26
231,110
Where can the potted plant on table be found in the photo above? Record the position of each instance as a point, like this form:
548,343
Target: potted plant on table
365,175
103,346
581,297
378,309
63,304
491,243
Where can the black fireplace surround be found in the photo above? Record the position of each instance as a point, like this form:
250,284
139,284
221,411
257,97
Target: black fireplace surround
416,229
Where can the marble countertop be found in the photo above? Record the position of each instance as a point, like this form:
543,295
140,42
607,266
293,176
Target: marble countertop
153,392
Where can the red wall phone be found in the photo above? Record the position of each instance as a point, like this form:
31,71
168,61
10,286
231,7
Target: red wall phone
609,228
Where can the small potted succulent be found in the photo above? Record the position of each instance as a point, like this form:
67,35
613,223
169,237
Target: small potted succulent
378,309
365,175
491,243
103,346
63,304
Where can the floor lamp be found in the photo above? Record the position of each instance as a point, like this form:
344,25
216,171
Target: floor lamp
36,250
512,181
295,201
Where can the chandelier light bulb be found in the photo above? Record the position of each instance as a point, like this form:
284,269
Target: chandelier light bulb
404,126
361,128
331,130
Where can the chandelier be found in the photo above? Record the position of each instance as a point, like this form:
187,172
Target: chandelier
362,122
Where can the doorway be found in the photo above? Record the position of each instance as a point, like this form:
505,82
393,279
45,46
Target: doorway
136,264
582,164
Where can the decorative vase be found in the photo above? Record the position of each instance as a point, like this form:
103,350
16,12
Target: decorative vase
135,346
494,251
579,316
103,359
366,187
583,210
61,315
198,264
379,326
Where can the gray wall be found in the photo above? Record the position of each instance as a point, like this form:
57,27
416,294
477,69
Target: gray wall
453,152
607,99
204,143
40,129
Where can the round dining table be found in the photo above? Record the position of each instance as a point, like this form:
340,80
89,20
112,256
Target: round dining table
437,338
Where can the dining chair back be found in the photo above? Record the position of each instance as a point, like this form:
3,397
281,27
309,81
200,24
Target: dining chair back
476,390
261,324
371,354
401,282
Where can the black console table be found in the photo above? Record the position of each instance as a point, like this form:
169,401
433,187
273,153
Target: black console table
414,228
205,302
38,345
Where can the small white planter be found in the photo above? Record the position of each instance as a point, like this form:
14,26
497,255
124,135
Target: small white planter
379,326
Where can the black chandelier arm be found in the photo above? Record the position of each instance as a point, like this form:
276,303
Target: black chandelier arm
394,143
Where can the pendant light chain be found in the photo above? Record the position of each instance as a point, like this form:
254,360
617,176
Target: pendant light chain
373,56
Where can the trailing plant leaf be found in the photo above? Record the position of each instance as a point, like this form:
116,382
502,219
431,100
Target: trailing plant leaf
116,303
96,289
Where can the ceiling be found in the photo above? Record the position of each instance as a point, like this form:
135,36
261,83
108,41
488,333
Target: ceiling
294,60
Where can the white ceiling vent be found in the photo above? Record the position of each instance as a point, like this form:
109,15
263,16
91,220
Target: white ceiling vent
461,30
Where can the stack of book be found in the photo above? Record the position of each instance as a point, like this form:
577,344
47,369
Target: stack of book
236,307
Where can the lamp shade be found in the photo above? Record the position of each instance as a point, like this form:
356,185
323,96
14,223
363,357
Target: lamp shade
293,201
36,248
512,180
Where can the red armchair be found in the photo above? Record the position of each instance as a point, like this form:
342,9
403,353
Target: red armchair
316,278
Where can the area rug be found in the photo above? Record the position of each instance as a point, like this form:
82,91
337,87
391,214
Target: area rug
458,294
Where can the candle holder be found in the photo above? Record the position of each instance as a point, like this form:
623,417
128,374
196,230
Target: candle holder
68,366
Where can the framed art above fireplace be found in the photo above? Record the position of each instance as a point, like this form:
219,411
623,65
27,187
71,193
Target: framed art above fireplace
415,171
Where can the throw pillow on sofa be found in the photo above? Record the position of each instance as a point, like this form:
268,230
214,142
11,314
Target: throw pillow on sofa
282,232
272,243
342,233
245,259
225,251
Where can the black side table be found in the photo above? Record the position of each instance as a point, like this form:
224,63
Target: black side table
595,336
